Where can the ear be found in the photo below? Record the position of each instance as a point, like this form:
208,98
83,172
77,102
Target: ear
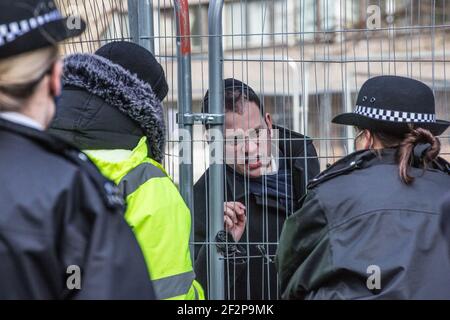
55,79
268,119
369,139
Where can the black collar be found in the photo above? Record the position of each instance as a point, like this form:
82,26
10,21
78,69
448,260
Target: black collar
368,158
39,137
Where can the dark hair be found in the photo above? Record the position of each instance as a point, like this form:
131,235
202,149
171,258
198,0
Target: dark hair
405,151
235,92
234,99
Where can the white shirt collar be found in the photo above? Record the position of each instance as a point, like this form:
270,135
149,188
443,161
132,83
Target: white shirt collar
273,161
273,167
22,120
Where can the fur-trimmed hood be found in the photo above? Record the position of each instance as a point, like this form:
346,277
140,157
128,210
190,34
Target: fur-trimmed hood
122,90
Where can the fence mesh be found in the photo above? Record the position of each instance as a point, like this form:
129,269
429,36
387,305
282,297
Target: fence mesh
306,60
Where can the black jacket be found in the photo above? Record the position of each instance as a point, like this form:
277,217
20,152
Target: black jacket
445,218
89,123
56,210
265,218
359,214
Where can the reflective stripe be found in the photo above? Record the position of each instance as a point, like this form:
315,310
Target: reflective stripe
199,294
173,286
137,177
196,294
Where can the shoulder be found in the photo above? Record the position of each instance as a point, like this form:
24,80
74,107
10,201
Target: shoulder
148,182
143,177
45,160
201,182
35,159
288,134
294,143
149,191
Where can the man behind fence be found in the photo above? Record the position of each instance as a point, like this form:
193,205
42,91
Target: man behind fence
111,107
265,178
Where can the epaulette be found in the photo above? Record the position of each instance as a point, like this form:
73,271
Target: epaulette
345,165
439,163
442,164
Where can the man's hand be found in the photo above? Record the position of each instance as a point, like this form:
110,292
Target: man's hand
235,219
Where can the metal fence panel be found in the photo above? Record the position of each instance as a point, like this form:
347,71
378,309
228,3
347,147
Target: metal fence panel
306,60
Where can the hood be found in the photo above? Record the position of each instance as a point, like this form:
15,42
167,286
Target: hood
121,90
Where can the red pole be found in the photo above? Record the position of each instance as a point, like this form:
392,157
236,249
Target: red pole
184,32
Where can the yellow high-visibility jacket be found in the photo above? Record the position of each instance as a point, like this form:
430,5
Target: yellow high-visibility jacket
158,216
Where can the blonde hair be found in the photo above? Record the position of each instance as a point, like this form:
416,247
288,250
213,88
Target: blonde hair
20,75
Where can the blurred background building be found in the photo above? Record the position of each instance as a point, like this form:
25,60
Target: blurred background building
306,58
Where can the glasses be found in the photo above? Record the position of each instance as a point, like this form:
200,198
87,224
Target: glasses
254,135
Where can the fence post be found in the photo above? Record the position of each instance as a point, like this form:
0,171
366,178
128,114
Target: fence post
185,105
140,16
216,170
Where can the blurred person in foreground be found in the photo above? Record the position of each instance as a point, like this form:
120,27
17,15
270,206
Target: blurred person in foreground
62,231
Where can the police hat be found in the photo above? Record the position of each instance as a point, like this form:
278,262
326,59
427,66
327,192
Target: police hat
390,103
27,25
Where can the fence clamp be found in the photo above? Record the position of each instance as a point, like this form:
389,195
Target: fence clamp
204,118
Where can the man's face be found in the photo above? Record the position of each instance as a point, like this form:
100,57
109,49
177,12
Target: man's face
248,140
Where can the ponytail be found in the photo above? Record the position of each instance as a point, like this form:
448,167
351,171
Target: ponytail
406,149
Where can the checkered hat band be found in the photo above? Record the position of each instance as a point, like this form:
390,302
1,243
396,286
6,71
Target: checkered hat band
9,32
395,116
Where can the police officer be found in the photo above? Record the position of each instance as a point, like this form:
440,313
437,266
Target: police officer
369,225
62,231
